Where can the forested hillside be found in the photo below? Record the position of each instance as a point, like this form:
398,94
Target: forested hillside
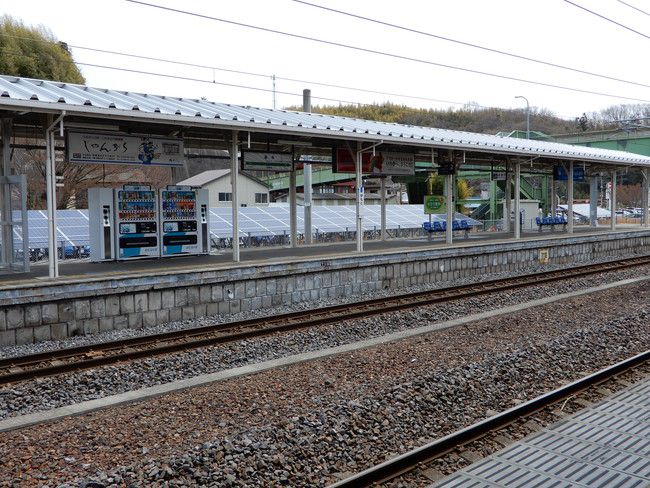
486,120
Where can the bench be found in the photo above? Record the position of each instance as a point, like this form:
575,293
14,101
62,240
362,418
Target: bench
436,226
550,222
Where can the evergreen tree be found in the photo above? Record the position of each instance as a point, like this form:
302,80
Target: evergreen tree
33,52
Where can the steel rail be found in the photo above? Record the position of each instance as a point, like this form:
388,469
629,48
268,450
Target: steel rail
21,368
410,460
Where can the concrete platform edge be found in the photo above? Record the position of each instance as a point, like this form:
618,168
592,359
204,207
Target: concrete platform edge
23,421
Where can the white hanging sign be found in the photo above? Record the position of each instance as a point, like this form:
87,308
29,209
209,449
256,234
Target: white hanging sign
110,148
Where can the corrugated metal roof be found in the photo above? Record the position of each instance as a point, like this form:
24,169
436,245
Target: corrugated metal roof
31,94
205,177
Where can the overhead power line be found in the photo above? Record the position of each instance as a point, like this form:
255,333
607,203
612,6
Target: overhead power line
607,19
383,53
250,73
469,44
633,7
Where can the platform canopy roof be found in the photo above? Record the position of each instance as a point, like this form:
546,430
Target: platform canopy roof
25,95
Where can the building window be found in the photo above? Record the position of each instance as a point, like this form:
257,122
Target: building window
261,198
225,197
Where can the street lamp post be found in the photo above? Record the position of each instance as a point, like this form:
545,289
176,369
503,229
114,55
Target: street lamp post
527,116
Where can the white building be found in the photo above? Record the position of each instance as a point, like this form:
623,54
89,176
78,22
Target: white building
251,191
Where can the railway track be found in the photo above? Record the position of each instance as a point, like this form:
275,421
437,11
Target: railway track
22,368
417,458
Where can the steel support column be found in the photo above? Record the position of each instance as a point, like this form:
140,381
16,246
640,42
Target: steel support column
569,190
359,203
517,200
450,208
383,208
612,224
508,210
645,198
553,204
293,207
5,197
593,201
307,190
234,173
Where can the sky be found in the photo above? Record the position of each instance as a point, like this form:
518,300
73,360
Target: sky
551,30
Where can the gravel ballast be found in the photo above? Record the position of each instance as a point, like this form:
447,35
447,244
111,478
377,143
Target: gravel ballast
308,424
53,392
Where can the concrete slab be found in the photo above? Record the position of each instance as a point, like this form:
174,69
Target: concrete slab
151,392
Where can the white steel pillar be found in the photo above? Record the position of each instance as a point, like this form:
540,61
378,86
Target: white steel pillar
569,186
293,205
360,195
307,191
383,208
234,173
508,209
553,197
50,180
517,200
593,201
612,224
645,197
5,197
449,197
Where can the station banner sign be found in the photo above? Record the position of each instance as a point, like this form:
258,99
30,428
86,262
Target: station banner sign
499,176
559,174
396,163
114,148
434,204
383,163
266,161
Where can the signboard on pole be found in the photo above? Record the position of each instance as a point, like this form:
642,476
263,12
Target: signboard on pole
383,163
434,204
446,168
499,176
559,174
112,148
266,161
396,163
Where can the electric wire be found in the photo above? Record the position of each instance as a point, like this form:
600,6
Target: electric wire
250,73
383,53
604,18
469,44
633,7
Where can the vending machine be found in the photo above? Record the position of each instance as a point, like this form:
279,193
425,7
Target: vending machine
136,222
184,217
101,221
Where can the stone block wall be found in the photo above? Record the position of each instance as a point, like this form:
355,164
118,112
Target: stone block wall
55,311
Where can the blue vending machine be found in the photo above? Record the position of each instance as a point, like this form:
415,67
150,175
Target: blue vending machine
136,219
184,217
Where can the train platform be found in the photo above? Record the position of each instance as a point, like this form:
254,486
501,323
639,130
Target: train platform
607,445
76,269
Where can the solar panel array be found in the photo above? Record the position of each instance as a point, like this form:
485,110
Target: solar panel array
72,225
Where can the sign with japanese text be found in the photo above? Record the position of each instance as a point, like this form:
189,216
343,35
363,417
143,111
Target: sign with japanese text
499,176
383,163
434,204
266,161
559,174
110,148
395,163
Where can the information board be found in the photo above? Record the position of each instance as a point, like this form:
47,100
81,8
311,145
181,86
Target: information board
266,161
382,163
112,148
434,204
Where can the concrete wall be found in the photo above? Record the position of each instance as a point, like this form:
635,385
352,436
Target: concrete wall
32,313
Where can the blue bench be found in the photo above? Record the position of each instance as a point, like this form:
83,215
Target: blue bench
436,226
550,222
